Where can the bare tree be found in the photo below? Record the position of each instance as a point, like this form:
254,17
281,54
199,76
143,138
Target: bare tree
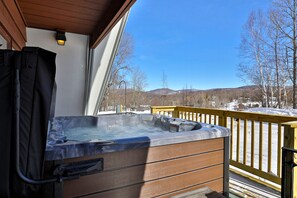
275,37
164,86
185,96
284,18
120,68
164,80
138,83
256,68
263,51
121,63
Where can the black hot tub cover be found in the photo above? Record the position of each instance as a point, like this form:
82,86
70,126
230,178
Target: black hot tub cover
37,75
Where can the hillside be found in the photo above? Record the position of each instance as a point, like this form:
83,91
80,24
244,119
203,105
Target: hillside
217,97
162,91
211,98
166,91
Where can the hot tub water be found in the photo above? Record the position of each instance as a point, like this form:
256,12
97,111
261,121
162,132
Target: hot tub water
111,127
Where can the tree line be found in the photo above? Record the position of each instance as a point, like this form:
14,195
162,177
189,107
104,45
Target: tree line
268,52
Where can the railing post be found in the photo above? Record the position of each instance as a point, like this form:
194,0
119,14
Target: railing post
290,141
222,120
175,113
153,110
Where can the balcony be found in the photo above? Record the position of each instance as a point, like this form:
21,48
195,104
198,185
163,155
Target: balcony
257,139
255,145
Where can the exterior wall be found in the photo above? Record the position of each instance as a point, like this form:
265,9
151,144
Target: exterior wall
12,24
71,64
81,79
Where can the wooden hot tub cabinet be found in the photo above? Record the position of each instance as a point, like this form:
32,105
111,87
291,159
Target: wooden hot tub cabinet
160,171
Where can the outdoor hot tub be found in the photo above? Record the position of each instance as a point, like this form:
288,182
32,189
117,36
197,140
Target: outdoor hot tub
135,155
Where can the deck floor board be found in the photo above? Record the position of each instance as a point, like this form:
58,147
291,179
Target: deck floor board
244,187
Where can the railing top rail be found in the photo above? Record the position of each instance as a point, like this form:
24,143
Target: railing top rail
236,114
162,107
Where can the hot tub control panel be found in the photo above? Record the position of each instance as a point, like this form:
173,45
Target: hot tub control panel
76,169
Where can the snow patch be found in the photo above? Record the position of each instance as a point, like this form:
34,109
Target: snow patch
284,112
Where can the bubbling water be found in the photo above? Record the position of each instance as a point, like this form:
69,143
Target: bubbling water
111,132
111,127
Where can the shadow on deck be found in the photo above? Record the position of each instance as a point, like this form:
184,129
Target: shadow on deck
244,187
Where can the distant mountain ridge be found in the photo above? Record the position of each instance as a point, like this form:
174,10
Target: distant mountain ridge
162,91
167,91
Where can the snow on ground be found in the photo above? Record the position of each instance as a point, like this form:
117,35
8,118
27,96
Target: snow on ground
112,112
257,143
106,112
274,111
141,112
231,105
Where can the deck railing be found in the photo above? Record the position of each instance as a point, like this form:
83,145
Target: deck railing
256,139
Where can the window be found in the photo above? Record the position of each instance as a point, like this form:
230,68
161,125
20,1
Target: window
3,43
5,40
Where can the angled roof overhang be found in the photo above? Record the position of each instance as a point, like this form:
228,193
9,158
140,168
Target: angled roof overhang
89,17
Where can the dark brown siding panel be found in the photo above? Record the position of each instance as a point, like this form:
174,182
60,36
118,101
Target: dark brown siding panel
153,171
216,185
133,191
168,185
12,22
154,154
184,149
142,173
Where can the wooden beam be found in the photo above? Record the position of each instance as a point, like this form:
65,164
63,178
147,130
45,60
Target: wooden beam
12,23
104,28
16,16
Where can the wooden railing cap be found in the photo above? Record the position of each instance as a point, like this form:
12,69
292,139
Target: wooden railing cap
292,124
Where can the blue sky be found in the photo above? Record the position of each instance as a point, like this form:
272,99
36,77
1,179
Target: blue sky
194,42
